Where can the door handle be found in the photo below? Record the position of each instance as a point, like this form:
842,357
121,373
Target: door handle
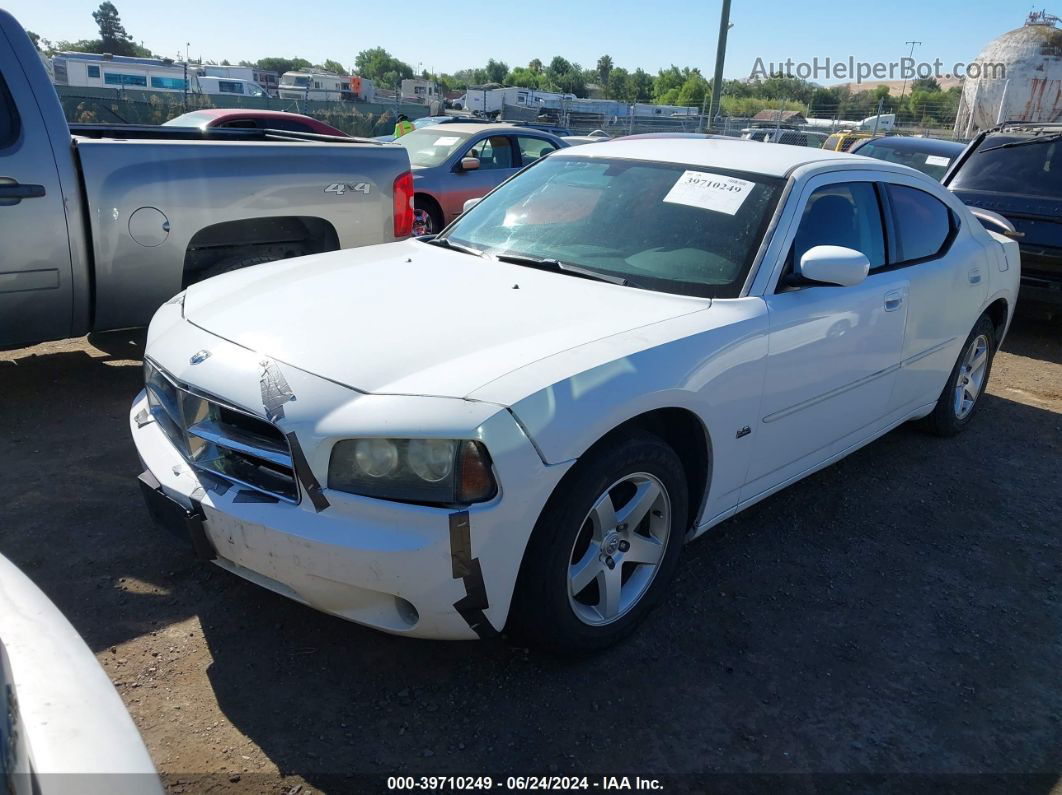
12,192
893,300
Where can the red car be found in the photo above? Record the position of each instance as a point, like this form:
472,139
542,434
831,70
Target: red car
253,119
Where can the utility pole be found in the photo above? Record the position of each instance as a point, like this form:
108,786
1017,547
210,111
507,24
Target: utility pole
911,56
720,56
877,119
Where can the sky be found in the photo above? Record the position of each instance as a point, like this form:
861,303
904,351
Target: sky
447,35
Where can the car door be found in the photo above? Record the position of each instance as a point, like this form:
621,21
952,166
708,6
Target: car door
833,352
36,290
948,273
497,162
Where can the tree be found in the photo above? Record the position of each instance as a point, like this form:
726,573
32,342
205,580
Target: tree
35,38
524,77
496,71
333,66
535,66
928,84
619,84
113,37
282,65
379,65
604,68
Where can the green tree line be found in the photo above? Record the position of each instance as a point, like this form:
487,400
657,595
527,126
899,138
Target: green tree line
925,102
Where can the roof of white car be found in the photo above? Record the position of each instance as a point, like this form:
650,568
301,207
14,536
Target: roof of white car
760,158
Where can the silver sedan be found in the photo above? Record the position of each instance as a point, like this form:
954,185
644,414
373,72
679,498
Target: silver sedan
457,162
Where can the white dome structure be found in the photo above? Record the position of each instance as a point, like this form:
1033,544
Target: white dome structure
1017,77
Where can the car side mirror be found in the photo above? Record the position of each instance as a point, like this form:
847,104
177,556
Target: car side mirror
468,205
844,267
469,163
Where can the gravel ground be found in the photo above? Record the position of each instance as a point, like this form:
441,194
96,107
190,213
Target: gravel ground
896,613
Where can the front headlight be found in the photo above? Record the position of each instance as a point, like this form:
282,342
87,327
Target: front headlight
437,471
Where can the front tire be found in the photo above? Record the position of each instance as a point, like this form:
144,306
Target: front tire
967,383
605,548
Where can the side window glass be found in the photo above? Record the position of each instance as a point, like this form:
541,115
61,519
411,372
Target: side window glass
923,223
9,124
531,149
493,153
845,214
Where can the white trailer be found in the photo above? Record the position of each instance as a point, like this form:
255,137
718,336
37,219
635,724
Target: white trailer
118,71
313,85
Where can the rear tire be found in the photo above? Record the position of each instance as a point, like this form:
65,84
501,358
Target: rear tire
605,548
229,265
961,398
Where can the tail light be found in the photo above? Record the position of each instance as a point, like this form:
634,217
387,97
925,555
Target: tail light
403,204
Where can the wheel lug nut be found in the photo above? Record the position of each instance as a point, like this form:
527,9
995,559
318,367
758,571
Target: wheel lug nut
621,528
624,545
610,562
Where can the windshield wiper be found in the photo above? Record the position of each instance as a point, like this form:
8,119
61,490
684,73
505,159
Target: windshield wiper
556,266
445,242
1041,139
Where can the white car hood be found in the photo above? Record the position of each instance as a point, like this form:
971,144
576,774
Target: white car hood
410,318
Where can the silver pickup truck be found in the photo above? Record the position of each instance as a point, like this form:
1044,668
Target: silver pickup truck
101,225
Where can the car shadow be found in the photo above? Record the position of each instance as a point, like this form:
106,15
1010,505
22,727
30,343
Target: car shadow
1034,335
896,612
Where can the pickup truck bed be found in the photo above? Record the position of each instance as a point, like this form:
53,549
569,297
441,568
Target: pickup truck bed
103,223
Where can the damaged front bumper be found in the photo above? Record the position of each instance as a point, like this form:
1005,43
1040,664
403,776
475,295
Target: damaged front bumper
407,569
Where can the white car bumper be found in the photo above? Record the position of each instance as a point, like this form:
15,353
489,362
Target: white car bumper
401,568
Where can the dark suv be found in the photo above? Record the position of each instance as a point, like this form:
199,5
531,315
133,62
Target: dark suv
1016,170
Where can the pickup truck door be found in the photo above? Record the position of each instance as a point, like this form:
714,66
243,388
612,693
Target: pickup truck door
833,352
36,291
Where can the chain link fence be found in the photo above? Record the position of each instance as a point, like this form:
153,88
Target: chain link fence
86,105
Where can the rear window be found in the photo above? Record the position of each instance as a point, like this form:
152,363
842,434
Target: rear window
929,161
1032,168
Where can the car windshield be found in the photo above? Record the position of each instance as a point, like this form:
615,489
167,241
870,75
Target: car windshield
193,119
431,146
929,160
295,81
1034,169
429,121
683,229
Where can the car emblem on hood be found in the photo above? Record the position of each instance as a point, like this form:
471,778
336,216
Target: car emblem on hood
200,357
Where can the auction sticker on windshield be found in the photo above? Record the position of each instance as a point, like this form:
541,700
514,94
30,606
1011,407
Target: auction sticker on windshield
710,191
937,160
447,140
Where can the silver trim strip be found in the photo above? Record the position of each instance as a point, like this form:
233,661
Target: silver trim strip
207,431
928,352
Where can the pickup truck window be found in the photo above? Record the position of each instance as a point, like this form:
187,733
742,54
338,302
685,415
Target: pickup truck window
1031,169
9,123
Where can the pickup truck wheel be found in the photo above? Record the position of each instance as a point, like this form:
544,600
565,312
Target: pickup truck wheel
605,548
232,264
962,394
428,213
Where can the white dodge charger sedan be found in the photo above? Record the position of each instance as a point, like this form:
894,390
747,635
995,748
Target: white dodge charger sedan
517,425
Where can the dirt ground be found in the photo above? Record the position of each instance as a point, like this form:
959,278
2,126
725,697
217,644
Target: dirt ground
897,613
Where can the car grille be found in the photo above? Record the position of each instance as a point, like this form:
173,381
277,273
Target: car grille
219,439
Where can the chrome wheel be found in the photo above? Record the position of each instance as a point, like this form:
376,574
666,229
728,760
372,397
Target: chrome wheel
619,549
971,378
422,224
